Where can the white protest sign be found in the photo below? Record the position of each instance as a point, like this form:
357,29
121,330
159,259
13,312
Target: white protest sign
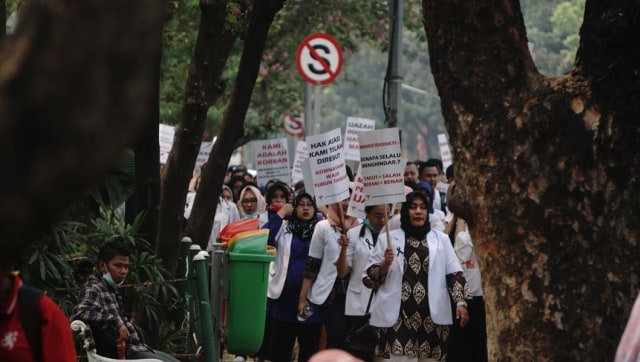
302,153
381,166
203,154
328,169
306,172
272,160
355,125
165,138
358,199
445,152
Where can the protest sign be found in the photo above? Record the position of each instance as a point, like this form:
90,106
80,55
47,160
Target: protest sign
203,154
328,169
381,166
272,160
165,138
302,153
445,152
306,173
358,199
354,126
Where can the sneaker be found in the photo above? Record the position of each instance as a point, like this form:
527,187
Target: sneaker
239,359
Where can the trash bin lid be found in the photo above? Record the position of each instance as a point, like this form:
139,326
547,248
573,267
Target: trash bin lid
251,242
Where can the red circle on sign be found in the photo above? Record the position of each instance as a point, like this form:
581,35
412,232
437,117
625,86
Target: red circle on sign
292,126
319,59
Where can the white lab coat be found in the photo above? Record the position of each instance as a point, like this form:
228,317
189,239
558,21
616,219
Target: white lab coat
385,307
359,251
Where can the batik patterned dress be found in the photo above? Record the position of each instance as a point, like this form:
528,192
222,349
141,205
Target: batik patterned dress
414,334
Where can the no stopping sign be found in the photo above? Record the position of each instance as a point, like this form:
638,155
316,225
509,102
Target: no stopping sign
319,59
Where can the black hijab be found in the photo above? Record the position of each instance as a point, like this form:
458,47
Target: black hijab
420,232
301,228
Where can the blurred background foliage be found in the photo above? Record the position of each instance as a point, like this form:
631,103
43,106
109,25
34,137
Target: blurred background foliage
361,27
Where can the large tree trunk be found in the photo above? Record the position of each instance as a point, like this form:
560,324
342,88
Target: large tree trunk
146,198
72,82
549,166
3,18
203,88
232,128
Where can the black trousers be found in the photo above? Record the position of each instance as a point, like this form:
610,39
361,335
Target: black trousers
283,338
335,322
469,343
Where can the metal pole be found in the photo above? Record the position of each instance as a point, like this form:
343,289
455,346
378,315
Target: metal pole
394,95
191,299
204,306
316,107
186,289
308,109
217,294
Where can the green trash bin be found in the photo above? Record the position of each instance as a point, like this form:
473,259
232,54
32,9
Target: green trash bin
247,305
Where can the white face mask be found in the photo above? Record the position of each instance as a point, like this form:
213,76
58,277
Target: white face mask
107,278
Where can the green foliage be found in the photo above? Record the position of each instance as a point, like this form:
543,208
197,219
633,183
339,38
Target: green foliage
68,254
361,27
553,27
13,5
566,19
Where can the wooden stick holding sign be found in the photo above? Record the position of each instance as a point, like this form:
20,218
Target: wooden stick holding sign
386,225
341,216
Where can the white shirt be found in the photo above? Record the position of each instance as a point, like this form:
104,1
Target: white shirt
463,247
324,246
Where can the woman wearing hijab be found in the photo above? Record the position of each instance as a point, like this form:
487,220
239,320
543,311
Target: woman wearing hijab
436,217
290,231
322,285
276,196
251,203
414,280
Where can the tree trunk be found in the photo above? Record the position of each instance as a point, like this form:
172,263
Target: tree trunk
3,18
549,166
203,88
232,127
147,155
72,80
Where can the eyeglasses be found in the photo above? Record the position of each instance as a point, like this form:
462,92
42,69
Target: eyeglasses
249,201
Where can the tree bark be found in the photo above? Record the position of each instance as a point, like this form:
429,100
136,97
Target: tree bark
232,127
72,79
3,18
548,166
146,198
203,88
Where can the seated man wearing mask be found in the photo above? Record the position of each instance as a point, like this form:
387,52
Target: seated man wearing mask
101,308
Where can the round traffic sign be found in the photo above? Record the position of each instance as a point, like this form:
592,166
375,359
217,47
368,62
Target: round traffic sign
292,126
319,59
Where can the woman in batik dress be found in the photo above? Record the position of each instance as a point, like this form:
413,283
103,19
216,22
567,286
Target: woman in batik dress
415,278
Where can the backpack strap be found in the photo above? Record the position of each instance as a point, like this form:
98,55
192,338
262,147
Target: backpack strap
31,318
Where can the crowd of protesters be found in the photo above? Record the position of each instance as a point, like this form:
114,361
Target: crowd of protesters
410,270
417,278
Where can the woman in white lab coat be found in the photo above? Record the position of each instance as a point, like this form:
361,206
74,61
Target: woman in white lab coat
415,279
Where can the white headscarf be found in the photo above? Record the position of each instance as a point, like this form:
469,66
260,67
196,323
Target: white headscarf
260,207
